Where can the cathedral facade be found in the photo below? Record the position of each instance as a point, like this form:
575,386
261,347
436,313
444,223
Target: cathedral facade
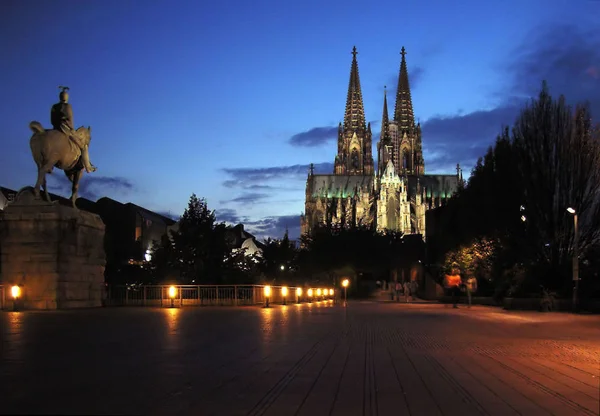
392,194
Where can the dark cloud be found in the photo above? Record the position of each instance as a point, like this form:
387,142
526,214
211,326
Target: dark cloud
272,226
248,198
91,187
229,216
318,136
568,58
246,177
275,227
254,182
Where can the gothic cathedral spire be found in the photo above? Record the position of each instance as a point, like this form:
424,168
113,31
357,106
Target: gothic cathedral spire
403,113
355,155
385,145
354,118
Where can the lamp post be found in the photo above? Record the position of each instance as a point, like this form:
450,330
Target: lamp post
573,212
298,294
172,294
345,284
310,295
267,291
15,291
284,293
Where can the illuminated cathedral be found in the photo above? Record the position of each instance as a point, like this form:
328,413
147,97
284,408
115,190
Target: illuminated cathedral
395,194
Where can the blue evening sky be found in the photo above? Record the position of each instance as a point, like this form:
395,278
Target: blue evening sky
205,96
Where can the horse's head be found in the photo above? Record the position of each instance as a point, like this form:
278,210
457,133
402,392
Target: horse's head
86,133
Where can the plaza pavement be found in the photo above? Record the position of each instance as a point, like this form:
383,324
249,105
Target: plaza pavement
309,359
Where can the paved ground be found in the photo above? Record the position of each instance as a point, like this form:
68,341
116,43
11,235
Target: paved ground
319,359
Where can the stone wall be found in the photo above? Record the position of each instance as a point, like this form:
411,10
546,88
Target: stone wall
54,252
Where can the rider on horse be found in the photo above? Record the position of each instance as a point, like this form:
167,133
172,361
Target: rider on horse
61,117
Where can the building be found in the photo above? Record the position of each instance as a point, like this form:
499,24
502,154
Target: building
129,233
239,239
392,194
6,197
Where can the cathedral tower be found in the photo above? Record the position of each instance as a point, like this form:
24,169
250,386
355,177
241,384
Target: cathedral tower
406,136
354,156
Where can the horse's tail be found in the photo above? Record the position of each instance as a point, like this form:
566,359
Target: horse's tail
36,127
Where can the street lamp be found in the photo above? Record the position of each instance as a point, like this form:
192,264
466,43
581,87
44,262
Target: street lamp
267,291
573,212
282,267
284,293
15,291
298,294
345,284
172,294
310,295
318,294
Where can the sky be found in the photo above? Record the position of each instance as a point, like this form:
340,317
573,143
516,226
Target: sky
232,100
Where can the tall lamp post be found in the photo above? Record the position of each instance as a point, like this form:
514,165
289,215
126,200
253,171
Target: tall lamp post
345,284
573,212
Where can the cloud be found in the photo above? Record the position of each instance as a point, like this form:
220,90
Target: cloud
229,216
566,57
258,184
90,187
246,177
275,227
247,198
318,136
272,226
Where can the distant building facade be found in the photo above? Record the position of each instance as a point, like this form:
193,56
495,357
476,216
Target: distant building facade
393,195
239,239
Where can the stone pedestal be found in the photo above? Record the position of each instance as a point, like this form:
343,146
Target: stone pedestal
54,252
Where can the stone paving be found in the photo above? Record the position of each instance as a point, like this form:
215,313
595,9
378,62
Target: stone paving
309,359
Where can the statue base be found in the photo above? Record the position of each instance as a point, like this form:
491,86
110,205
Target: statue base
55,254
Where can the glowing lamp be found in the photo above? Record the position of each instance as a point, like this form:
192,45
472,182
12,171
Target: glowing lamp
172,292
345,282
267,291
284,291
299,291
331,292
15,291
571,210
310,293
318,292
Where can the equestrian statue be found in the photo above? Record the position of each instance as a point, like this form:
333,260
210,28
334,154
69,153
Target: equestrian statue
62,147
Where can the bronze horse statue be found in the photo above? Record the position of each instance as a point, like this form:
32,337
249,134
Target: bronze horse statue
53,148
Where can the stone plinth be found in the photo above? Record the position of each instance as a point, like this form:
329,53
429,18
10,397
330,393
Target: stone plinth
54,252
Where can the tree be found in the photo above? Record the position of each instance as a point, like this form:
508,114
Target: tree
519,191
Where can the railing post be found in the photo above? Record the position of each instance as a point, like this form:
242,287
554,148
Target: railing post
180,297
144,301
199,297
161,295
235,303
217,295
126,295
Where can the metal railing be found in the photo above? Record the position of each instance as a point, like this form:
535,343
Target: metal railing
2,297
207,295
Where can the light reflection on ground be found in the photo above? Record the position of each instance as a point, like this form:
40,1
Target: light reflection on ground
307,358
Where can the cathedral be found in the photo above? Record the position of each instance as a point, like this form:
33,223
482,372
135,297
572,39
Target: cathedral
390,195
